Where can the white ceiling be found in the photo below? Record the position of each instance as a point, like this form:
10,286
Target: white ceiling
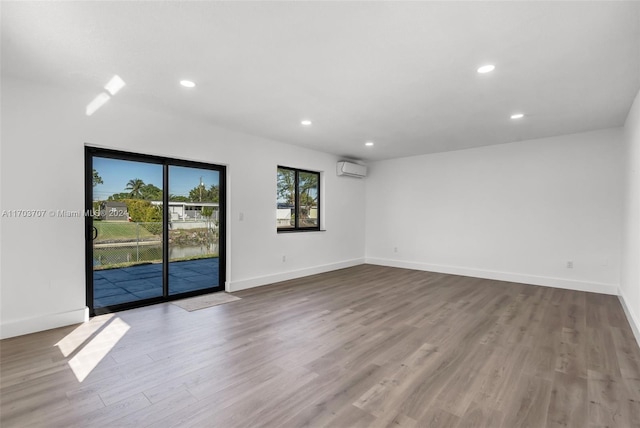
402,74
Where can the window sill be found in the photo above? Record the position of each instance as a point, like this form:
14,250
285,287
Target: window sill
300,230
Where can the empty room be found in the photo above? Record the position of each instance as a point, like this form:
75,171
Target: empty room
322,214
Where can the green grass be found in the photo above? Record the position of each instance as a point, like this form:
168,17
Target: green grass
129,264
121,265
120,231
201,256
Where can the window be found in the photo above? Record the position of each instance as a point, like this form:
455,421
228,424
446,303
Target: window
298,200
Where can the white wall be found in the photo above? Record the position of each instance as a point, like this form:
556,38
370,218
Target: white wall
630,280
516,212
43,134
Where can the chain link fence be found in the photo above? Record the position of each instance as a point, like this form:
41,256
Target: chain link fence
121,244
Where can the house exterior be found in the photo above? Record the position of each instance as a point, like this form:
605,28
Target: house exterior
114,211
190,211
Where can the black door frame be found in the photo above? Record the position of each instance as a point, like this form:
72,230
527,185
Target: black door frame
166,162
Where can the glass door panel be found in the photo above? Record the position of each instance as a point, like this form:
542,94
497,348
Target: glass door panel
127,241
194,229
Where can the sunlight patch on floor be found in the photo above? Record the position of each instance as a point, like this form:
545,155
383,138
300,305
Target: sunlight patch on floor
77,337
88,358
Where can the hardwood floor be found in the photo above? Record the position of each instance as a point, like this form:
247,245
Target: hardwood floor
367,346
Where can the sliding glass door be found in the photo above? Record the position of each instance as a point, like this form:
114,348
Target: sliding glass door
155,229
127,236
194,229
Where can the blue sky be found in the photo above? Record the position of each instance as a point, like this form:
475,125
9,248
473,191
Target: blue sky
116,174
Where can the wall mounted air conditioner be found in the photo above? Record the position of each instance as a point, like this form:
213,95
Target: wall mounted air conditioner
351,169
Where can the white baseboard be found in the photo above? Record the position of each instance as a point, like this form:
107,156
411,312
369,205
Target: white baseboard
41,323
244,284
544,281
632,317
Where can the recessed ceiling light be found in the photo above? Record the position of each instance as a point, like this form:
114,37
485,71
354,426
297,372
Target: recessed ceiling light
369,143
187,84
305,122
486,68
517,116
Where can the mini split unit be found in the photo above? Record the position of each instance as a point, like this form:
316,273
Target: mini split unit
351,169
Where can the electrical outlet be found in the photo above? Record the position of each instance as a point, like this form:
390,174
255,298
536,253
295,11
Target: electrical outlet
395,249
284,259
570,264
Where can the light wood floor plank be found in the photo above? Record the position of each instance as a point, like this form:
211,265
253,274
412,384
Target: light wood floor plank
368,346
568,404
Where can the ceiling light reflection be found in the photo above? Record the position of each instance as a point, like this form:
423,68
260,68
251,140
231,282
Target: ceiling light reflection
97,102
114,85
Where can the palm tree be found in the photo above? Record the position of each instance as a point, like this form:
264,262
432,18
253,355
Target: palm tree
135,187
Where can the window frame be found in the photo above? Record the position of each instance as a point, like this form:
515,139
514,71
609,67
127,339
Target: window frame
296,203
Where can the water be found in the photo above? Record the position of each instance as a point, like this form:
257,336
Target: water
104,256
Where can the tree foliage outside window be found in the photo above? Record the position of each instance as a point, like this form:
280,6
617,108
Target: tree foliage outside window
134,186
298,199
96,178
202,193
